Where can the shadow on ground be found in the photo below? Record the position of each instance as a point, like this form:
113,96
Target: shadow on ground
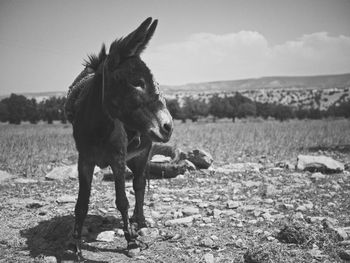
53,237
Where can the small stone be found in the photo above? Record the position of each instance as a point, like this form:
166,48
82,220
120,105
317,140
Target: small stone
309,205
120,232
155,214
154,197
4,176
288,206
298,215
269,201
150,222
271,191
206,219
232,204
66,199
50,259
207,242
216,213
176,237
208,258
134,252
301,208
203,205
239,243
106,236
318,176
143,231
179,221
188,211
167,199
267,216
213,237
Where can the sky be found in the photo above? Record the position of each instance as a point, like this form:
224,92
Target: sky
43,43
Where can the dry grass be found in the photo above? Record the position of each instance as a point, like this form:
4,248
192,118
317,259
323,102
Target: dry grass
229,142
32,150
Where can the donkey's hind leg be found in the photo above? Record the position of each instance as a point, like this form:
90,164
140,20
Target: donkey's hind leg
85,170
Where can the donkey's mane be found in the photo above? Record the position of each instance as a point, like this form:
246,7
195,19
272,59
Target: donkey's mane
94,61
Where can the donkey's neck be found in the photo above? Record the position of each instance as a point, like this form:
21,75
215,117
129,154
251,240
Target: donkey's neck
91,118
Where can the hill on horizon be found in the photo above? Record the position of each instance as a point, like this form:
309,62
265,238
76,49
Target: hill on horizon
318,82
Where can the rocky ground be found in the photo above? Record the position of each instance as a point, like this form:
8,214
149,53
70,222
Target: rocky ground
265,212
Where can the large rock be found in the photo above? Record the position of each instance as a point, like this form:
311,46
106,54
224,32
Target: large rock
200,158
319,163
62,173
158,158
4,176
106,236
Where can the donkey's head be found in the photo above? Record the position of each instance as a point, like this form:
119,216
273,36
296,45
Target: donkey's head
130,92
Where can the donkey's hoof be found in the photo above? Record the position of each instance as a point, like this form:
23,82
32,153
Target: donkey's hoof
74,245
140,223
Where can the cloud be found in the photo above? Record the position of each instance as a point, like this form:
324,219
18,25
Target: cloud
208,57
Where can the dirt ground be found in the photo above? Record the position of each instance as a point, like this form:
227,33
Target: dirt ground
271,215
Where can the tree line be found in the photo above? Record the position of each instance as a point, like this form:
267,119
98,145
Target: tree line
18,108
239,106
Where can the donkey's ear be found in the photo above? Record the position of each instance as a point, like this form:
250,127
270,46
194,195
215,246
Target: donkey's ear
137,40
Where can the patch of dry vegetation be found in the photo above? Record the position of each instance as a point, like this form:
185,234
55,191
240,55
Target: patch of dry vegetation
33,150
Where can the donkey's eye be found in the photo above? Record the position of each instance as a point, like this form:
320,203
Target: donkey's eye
141,83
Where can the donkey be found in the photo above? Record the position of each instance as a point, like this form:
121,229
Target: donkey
117,112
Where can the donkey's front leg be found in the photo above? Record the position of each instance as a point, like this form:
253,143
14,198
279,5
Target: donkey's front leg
138,167
118,168
85,170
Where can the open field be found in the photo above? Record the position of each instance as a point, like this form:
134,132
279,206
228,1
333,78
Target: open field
32,150
273,215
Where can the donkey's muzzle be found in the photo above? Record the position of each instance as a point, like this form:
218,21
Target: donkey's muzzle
167,130
162,127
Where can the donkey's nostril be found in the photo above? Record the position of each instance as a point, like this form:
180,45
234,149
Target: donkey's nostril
167,127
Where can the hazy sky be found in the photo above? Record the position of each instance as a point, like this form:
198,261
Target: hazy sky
43,43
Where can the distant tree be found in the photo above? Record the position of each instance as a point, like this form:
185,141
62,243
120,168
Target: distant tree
340,110
282,112
221,107
32,113
4,114
174,108
246,109
194,108
16,107
314,114
52,109
264,110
